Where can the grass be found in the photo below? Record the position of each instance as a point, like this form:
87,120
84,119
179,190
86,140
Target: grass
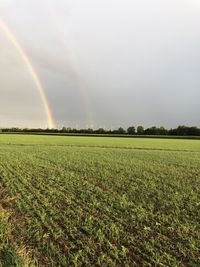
86,201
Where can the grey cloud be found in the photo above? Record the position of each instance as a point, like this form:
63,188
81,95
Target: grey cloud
124,62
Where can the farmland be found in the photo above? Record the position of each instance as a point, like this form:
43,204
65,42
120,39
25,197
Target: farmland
95,201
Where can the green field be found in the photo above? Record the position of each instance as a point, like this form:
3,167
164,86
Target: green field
94,201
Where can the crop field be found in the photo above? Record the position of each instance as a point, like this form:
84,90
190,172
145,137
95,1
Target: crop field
99,201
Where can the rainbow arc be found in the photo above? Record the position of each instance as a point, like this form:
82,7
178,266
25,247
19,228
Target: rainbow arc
10,35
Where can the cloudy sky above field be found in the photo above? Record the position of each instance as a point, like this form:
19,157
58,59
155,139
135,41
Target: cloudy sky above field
103,63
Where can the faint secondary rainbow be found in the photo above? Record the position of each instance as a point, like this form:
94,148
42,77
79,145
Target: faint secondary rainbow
32,71
71,60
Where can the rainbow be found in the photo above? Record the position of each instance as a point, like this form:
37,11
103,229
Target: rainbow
65,39
10,35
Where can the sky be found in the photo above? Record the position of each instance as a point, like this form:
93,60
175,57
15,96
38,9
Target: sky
102,63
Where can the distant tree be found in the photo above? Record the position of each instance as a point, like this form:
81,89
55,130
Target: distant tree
182,130
194,131
131,130
172,132
121,130
156,131
152,131
140,130
64,129
74,130
90,130
100,131
69,129
162,131
82,131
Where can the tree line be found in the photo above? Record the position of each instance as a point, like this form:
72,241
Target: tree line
181,130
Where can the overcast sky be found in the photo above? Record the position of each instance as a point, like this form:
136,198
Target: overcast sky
103,63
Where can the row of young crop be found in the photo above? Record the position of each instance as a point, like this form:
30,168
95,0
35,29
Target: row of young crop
34,202
97,207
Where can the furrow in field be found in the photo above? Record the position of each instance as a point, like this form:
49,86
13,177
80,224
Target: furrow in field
103,147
